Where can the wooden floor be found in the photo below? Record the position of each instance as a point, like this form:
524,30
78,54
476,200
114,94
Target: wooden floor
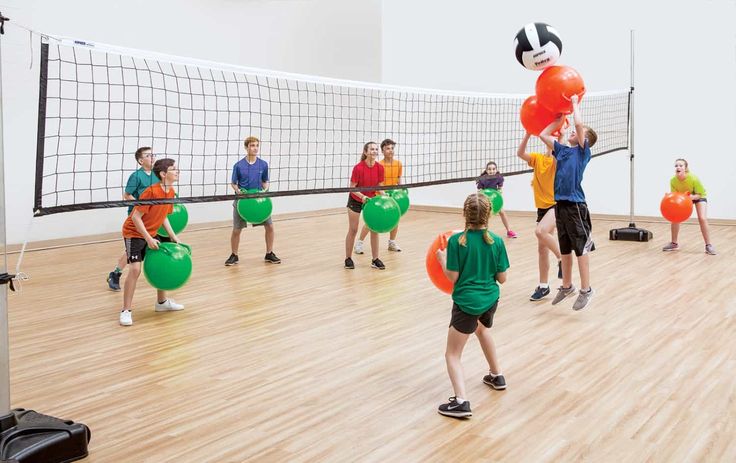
306,361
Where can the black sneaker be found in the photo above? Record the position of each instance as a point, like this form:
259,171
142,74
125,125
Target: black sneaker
559,269
232,260
271,257
496,382
376,263
113,281
454,409
349,263
539,293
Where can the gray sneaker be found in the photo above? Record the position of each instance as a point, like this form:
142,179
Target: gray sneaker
562,293
583,298
671,247
710,250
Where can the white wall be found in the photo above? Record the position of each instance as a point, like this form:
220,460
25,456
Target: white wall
335,38
685,83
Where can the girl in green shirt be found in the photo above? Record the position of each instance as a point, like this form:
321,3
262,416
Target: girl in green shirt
685,182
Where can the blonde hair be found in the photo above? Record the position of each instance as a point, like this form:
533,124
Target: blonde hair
687,168
250,140
477,211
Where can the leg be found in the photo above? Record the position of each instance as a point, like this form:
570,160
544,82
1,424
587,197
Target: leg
129,287
545,232
543,253
235,240
584,269
453,358
374,245
567,270
353,222
489,348
702,209
363,233
123,261
675,228
269,237
394,232
161,296
504,219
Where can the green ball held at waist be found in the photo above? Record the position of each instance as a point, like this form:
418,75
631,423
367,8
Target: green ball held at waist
254,210
496,199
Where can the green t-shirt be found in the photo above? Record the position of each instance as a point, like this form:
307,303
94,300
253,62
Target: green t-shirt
138,182
691,184
477,262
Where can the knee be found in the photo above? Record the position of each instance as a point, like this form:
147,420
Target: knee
539,232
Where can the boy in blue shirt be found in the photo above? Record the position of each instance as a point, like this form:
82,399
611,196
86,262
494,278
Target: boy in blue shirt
571,212
251,172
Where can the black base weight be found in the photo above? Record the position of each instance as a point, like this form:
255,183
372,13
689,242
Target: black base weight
630,233
30,437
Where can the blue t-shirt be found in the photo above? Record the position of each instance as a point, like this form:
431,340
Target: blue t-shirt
571,163
494,182
250,176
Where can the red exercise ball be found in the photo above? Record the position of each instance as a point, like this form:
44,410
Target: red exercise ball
434,269
676,207
556,85
535,117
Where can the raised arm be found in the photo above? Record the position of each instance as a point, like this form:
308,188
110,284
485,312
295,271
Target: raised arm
546,135
578,120
521,152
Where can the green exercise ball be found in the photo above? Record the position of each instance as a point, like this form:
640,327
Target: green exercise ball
169,266
178,220
494,196
255,210
401,196
381,213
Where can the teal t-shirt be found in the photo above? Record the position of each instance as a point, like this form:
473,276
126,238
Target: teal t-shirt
477,262
138,182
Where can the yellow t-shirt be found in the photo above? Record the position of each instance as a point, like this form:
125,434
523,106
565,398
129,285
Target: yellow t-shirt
543,180
391,172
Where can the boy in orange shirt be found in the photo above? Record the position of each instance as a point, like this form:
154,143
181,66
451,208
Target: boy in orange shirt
139,230
392,176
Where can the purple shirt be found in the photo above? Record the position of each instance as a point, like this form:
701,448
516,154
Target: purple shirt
250,176
494,182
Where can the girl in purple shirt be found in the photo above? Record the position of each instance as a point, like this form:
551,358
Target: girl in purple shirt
492,178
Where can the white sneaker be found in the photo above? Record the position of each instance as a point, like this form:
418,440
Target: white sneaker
168,306
358,248
126,318
393,246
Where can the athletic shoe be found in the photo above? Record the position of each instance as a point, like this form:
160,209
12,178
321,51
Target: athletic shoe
349,263
126,318
539,294
710,250
562,293
271,257
583,299
358,248
511,234
376,263
497,382
455,410
113,281
168,306
559,269
671,247
393,246
232,260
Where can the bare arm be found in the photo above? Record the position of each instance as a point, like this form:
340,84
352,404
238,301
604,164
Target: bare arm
360,194
501,277
170,231
128,197
265,185
236,188
546,135
521,152
138,222
450,274
578,120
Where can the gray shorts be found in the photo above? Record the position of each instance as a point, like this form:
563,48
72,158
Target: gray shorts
239,223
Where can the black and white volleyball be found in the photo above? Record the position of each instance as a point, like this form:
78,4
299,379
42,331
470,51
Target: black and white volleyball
537,46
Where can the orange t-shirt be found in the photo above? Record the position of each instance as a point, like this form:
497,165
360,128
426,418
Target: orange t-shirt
153,215
392,172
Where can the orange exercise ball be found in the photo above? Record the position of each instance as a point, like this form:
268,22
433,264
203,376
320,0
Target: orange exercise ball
676,207
535,117
434,269
556,85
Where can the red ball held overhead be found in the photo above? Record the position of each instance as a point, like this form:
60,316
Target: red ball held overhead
556,85
535,117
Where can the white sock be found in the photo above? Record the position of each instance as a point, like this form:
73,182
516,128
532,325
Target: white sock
544,285
459,400
493,375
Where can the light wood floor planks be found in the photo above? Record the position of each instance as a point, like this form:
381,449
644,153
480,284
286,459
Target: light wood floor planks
307,361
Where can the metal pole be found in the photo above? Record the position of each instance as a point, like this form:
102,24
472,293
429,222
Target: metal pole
631,138
4,351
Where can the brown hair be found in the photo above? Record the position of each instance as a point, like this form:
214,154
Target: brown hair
591,136
139,152
498,172
162,166
386,143
477,211
250,140
365,150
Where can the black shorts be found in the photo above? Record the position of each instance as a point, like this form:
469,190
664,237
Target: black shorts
574,229
466,323
542,212
354,205
135,248
701,200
